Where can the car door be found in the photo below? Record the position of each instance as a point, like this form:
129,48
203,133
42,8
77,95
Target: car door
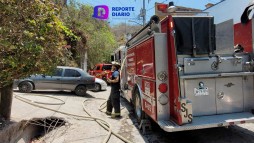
71,79
50,81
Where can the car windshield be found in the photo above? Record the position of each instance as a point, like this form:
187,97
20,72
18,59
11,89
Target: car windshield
107,67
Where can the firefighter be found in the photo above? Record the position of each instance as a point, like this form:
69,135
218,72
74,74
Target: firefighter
114,97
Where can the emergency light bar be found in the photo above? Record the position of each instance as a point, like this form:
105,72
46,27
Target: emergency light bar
162,7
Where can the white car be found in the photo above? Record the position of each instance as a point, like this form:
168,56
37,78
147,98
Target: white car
100,85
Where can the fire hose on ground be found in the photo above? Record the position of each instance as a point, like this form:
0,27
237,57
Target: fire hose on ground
100,121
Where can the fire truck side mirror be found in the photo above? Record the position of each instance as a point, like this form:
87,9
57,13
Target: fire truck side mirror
154,19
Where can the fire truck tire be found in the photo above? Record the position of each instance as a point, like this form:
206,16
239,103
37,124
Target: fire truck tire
138,107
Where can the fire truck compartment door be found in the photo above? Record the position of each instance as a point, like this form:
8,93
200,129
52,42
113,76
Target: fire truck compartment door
229,95
211,96
201,92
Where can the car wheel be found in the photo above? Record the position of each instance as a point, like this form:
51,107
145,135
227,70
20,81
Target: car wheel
80,90
25,87
138,107
97,87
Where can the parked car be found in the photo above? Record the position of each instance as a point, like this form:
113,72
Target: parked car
100,85
64,78
102,71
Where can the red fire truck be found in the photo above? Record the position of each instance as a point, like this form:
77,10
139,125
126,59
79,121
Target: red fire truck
102,71
174,74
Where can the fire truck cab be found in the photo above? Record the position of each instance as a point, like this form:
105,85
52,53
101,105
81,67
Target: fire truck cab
174,74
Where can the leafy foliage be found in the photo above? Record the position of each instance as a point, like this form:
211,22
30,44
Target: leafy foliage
121,30
31,38
96,36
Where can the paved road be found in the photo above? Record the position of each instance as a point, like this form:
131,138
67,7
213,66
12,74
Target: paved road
80,131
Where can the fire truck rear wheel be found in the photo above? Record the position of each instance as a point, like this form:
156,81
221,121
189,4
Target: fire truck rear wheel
138,107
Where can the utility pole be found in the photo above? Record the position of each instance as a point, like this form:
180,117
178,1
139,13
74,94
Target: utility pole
144,12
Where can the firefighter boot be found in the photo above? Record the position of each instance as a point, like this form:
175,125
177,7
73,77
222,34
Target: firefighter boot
116,115
108,113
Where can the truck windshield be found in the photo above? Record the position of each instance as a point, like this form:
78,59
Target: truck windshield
106,67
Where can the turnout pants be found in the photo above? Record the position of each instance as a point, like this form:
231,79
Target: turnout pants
114,102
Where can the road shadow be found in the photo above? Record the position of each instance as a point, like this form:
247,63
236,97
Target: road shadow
98,91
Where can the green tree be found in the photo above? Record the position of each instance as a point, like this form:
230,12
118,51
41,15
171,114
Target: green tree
31,39
96,36
121,30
